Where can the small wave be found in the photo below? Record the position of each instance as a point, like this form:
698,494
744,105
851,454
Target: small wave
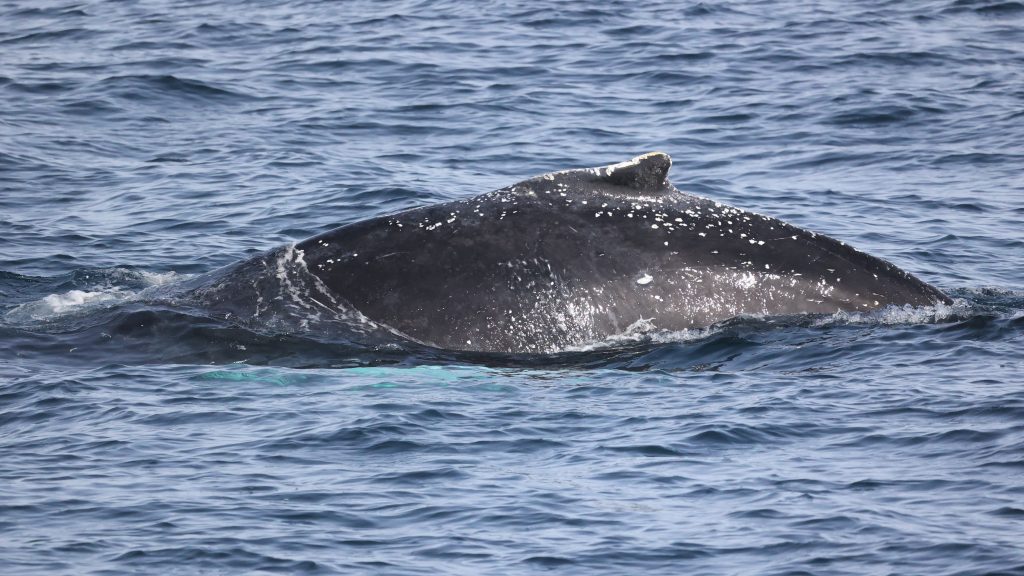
1001,9
161,278
991,293
47,36
644,331
873,116
57,305
149,86
109,287
907,314
986,8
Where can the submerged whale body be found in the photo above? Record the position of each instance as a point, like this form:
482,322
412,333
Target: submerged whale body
558,261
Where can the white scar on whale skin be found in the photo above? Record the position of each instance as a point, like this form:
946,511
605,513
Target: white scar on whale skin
611,168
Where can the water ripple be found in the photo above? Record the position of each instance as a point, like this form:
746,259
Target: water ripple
144,144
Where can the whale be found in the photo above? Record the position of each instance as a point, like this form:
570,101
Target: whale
557,262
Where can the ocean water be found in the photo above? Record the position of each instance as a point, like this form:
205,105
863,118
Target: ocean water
145,143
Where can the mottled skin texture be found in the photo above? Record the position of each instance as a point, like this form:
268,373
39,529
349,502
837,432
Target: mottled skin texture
574,257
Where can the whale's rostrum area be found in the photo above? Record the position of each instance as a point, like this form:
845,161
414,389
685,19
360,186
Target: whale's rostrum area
574,257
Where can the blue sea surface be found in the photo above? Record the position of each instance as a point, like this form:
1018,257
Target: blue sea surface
144,143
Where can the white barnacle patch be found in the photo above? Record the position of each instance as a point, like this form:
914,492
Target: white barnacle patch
654,226
644,280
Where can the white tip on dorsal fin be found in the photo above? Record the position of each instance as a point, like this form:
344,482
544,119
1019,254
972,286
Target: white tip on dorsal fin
645,173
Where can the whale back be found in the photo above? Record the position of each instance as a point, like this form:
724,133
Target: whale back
573,257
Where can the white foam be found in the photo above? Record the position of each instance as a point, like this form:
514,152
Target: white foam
72,302
54,306
907,314
162,278
642,331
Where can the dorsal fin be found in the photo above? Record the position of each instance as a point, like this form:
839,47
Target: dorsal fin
645,173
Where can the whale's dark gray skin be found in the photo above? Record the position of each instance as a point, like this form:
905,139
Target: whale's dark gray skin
571,258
